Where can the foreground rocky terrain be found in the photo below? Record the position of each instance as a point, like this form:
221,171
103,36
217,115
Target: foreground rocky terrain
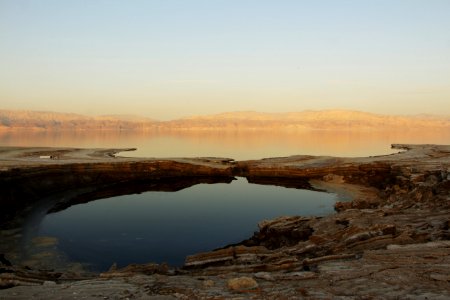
389,240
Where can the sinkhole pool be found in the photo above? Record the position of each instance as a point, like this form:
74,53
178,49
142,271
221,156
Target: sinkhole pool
167,226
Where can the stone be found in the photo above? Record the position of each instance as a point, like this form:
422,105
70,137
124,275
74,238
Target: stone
208,283
265,276
113,267
440,277
242,284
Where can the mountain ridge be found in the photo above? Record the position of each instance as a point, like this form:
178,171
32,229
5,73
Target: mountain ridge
309,119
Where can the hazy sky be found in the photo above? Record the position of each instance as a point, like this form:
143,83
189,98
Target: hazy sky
167,58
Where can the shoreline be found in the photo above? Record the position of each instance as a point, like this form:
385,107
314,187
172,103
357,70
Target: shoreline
400,206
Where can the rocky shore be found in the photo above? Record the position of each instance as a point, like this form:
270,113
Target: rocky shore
391,240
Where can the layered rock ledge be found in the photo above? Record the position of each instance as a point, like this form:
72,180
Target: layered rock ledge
391,240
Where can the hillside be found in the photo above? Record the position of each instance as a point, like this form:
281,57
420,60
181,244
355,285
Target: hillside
323,120
15,119
326,119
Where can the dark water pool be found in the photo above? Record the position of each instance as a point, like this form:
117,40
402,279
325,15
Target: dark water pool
167,226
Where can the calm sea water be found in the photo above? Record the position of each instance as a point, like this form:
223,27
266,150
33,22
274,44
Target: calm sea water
167,226
239,145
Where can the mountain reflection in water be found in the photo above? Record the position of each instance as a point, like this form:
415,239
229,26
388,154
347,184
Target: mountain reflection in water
240,145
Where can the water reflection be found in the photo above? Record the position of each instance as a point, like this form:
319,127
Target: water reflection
239,145
165,227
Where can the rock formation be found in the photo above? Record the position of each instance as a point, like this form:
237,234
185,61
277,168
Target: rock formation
391,241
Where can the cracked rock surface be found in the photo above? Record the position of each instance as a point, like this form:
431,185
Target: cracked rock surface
391,241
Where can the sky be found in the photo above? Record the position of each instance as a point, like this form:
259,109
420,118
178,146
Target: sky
167,59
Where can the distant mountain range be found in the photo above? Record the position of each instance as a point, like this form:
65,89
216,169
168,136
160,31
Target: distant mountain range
323,120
